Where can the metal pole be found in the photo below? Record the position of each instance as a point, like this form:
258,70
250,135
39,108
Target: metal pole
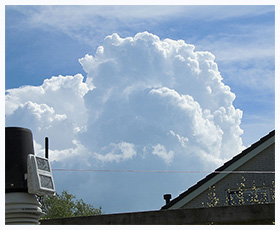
46,147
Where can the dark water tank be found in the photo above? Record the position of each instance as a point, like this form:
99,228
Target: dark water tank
18,144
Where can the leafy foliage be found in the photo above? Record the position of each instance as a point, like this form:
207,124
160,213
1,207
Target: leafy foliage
242,196
66,205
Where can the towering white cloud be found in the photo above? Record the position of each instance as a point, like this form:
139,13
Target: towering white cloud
147,89
145,104
143,96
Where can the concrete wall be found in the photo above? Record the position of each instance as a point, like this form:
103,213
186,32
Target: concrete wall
244,214
264,161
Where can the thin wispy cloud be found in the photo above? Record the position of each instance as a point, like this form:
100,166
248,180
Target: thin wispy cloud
86,23
89,24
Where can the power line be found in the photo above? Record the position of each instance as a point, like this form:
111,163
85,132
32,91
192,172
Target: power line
159,171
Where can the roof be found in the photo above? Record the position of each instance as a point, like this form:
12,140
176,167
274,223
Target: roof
215,176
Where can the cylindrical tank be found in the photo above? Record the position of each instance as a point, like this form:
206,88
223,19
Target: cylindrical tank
20,206
18,144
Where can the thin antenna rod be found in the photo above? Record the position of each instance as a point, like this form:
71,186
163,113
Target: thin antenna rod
46,147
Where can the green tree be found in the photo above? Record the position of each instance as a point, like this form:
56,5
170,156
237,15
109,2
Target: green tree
66,205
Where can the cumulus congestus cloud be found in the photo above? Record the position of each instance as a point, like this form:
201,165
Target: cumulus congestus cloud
142,97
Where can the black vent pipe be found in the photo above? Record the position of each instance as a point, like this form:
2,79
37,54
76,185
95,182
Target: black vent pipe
167,198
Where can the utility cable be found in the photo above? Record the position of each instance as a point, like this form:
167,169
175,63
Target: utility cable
160,171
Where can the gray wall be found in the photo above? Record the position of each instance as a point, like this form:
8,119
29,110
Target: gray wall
264,161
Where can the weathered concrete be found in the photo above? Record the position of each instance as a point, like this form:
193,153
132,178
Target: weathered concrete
246,214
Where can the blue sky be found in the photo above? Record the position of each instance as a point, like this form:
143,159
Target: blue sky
135,100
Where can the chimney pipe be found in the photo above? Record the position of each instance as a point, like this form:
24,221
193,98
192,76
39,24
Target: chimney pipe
167,198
